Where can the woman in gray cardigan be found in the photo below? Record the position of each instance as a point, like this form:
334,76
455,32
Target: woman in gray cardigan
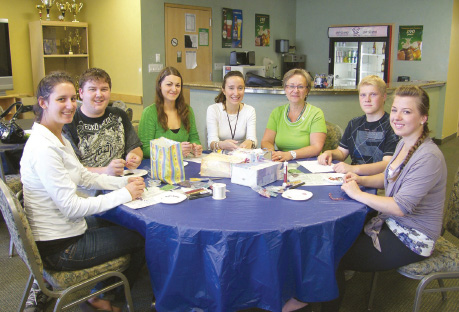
410,215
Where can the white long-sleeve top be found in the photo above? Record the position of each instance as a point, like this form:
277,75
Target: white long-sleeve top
50,173
218,128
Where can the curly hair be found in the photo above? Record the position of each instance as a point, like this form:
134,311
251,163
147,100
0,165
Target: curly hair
46,87
182,108
221,98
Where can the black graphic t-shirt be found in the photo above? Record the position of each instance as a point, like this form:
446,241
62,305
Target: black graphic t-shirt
368,142
97,141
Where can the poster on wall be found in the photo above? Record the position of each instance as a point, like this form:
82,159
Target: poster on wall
231,28
409,43
262,31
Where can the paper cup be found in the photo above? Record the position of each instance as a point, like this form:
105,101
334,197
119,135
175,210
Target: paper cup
219,191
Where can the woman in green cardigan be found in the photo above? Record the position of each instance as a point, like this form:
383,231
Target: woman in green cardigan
170,116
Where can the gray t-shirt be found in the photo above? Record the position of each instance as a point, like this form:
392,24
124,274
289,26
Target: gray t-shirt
420,188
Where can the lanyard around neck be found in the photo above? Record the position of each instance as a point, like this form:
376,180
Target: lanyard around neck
235,125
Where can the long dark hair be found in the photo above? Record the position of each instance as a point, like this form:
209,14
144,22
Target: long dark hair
221,98
423,105
46,87
182,108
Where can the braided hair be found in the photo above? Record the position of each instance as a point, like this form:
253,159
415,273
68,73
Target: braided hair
423,104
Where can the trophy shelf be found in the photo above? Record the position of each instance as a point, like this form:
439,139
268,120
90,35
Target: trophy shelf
57,45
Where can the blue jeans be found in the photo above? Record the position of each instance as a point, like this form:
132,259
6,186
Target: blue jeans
102,242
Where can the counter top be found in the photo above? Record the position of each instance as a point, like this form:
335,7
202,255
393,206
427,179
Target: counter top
391,86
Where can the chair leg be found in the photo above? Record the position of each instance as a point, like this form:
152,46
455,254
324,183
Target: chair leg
26,293
127,294
11,252
444,294
372,291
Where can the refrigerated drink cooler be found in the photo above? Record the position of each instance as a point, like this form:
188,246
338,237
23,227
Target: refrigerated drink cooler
356,52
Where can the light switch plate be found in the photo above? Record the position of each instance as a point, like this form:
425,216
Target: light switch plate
158,57
218,66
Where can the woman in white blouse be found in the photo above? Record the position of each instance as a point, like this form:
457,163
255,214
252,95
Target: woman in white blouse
68,237
231,123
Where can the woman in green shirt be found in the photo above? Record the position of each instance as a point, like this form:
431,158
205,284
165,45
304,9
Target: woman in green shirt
170,116
297,129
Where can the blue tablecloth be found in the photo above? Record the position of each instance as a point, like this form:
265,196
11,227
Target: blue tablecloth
246,250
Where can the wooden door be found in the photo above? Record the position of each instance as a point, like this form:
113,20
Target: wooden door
182,24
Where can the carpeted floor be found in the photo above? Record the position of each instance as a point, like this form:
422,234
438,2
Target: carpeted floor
395,293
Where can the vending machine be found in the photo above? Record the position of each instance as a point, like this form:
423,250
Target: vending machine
359,51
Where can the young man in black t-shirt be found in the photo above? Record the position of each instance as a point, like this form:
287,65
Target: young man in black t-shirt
103,137
368,139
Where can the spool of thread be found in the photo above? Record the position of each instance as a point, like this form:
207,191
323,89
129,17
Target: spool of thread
219,191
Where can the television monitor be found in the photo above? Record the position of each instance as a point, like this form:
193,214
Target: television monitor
6,71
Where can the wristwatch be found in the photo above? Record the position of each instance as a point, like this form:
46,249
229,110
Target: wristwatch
293,153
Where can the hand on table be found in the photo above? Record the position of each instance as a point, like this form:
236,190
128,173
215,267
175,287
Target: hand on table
229,145
246,144
325,158
135,187
186,148
281,156
351,188
342,167
196,149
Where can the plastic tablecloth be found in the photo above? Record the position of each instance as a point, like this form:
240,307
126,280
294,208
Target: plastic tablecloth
246,250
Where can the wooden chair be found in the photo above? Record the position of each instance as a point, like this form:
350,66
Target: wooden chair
442,264
64,283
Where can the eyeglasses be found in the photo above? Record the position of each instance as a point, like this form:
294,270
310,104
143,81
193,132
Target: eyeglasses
292,87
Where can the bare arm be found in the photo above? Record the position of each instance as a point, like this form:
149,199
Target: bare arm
383,204
268,139
371,169
337,154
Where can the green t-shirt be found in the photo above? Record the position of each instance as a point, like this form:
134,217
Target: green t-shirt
150,129
295,135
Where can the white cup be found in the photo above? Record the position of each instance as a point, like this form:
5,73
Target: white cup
219,191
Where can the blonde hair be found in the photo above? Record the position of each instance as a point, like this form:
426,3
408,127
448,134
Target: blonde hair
374,81
297,71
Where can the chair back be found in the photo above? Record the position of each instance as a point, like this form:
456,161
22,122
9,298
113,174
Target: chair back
20,230
334,134
451,218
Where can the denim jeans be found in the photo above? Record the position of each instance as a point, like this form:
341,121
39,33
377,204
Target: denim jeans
102,241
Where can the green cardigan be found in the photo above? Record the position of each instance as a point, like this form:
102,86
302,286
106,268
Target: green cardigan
150,129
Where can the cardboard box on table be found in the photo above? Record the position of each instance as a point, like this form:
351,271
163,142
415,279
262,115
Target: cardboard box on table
257,173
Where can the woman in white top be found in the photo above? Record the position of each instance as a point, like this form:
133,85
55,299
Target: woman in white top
66,236
231,123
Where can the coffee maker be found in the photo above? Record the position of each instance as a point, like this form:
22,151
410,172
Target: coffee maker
291,61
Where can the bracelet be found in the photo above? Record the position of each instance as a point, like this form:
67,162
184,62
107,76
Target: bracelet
216,146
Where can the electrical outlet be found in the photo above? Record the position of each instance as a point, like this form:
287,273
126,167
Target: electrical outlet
218,66
158,57
155,68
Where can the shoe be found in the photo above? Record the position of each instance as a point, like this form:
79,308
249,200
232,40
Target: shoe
36,302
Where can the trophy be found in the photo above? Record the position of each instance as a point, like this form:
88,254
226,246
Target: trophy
47,4
77,41
68,41
62,7
75,8
40,8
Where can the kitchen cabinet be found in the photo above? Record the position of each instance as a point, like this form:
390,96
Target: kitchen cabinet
57,45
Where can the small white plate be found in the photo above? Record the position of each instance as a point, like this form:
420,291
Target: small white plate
185,163
135,173
337,179
296,194
172,198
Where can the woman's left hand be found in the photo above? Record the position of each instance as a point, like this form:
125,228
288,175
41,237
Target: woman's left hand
197,149
281,156
246,144
351,188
